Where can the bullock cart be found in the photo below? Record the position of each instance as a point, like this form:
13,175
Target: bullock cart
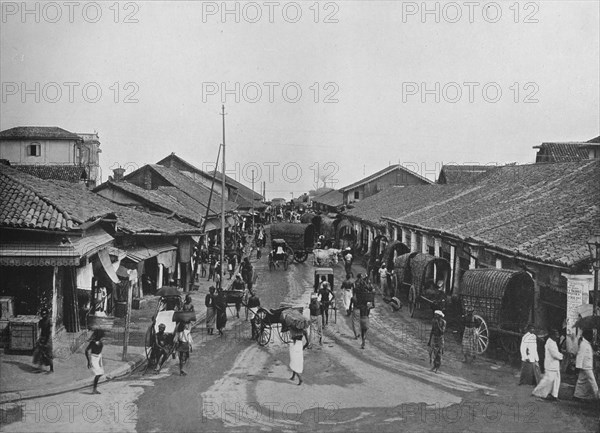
501,300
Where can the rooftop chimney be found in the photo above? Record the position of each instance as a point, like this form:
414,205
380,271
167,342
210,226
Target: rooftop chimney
118,174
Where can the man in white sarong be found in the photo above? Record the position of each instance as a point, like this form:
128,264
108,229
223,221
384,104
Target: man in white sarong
550,383
586,387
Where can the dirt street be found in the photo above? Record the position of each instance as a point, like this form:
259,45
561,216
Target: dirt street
235,385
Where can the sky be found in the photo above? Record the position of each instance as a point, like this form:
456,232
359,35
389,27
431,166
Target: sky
313,91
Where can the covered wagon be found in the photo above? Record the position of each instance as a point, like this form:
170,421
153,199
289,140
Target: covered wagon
299,238
501,300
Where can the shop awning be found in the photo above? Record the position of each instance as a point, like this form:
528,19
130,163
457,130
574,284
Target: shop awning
107,266
38,254
89,245
139,253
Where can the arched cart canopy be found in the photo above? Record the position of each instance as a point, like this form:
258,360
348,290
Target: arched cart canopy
393,248
402,268
426,268
297,236
503,297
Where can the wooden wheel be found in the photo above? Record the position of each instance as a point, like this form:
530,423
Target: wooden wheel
482,334
412,301
284,335
510,344
290,254
264,334
300,256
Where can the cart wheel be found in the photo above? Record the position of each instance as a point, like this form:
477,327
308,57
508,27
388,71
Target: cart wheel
290,254
300,256
284,336
482,334
285,263
264,334
510,344
412,301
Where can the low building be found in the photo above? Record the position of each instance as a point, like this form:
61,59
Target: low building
534,217
394,175
52,146
328,202
61,244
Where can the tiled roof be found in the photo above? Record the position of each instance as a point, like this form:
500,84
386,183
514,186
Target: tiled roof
38,132
69,173
161,199
331,198
545,212
594,140
561,152
31,202
242,189
450,174
194,189
383,172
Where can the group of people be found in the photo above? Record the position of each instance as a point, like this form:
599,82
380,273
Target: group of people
548,384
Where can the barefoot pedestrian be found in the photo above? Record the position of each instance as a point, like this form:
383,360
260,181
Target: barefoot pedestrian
347,288
550,383
364,321
316,326
183,344
93,353
297,353
469,339
42,354
586,388
221,310
436,340
211,314
530,368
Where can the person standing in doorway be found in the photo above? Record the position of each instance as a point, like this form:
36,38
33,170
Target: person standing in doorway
93,353
550,384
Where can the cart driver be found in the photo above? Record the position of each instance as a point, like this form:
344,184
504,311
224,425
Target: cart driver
160,350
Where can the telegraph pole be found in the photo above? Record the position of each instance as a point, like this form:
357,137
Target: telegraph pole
223,192
252,202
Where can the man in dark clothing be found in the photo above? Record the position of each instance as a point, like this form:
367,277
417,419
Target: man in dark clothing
316,327
160,351
326,298
238,284
253,305
42,354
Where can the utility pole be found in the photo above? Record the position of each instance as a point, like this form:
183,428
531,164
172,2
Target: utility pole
252,201
127,319
223,192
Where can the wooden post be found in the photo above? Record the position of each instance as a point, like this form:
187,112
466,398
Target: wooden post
127,320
